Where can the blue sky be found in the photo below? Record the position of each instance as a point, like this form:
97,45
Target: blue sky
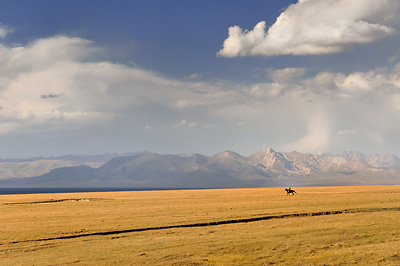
174,38
88,77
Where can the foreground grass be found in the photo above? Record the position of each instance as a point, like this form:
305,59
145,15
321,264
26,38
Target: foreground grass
365,238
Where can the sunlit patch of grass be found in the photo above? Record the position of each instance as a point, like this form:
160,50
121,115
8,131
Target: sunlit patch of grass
364,238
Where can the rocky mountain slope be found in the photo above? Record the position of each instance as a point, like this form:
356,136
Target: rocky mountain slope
225,169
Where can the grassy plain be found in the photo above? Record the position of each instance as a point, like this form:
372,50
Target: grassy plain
67,229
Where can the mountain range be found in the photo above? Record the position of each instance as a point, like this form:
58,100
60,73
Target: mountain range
223,170
36,166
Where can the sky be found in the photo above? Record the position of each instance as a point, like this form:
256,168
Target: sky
186,76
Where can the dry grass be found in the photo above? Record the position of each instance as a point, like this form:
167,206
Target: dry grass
365,238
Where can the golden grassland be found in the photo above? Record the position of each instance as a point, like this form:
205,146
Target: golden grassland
144,227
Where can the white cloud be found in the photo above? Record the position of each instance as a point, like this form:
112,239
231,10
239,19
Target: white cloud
74,91
195,76
45,53
57,83
4,31
209,126
318,111
180,124
315,27
287,75
347,132
184,123
317,138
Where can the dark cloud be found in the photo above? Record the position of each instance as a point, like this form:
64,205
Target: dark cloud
47,96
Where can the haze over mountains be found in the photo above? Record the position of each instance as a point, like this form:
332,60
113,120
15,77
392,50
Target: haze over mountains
223,170
36,166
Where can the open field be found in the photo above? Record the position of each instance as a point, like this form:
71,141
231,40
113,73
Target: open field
263,226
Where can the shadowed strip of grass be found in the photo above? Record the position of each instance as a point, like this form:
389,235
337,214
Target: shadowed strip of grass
224,222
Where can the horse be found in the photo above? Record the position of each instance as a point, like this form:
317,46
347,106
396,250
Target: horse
290,191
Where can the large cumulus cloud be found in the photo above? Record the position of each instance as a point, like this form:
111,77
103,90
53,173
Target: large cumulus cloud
57,83
315,27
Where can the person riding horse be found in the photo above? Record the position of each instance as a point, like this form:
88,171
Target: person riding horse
290,191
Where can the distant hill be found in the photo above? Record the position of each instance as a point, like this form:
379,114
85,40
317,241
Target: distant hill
36,166
224,170
99,158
